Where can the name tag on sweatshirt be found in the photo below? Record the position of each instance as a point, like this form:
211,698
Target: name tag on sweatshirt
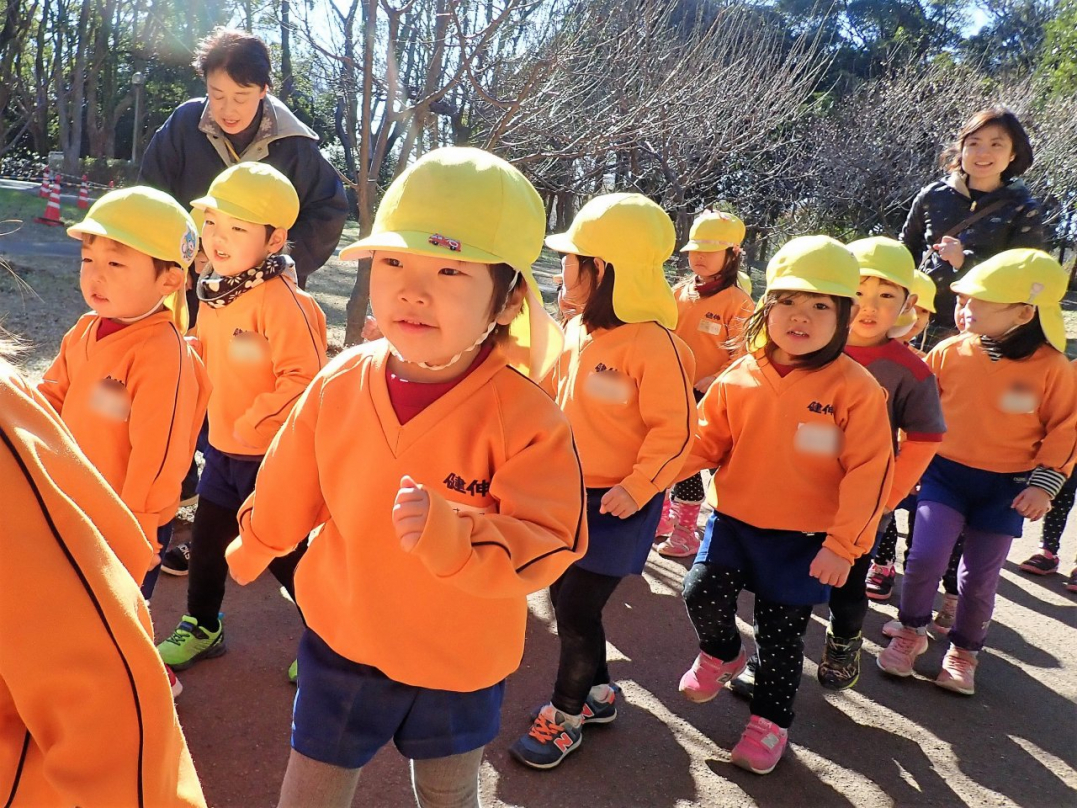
610,387
1019,402
714,327
247,348
818,439
110,400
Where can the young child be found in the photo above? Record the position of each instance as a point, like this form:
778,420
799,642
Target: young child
125,382
711,311
924,289
263,340
85,714
625,383
1010,400
799,417
442,483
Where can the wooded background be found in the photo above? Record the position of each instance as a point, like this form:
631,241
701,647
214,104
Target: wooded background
800,116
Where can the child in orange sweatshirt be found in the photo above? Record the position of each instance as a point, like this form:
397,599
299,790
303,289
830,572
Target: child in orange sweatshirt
1010,400
125,382
799,417
625,383
263,339
711,311
440,481
85,714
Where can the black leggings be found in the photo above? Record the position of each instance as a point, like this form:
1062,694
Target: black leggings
579,596
849,603
1054,523
690,490
710,593
215,526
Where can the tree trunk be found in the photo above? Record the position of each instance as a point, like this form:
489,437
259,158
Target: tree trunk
360,296
287,82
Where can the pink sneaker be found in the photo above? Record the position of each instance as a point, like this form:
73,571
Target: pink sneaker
760,747
708,674
898,657
892,628
173,682
665,524
958,671
684,541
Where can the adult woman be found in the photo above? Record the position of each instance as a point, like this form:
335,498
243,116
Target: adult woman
979,210
240,120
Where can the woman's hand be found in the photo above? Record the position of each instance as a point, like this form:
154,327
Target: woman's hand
951,251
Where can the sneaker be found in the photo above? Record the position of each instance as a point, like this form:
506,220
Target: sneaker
1043,563
177,560
892,628
840,666
880,583
944,618
1071,582
173,682
190,643
600,706
958,671
683,543
665,524
899,656
552,736
743,684
760,747
293,672
704,680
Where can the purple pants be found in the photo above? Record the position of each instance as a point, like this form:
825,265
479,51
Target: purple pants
937,530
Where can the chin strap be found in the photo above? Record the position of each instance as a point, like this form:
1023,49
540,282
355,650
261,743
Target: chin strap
129,320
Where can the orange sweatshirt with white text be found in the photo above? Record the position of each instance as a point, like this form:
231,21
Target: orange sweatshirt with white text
1006,416
134,402
86,716
627,392
811,452
506,518
709,324
261,351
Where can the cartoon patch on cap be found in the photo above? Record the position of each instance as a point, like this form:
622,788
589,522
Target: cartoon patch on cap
188,245
439,240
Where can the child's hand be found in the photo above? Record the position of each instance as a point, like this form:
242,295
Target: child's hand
410,511
703,385
618,502
951,251
371,331
1032,503
829,568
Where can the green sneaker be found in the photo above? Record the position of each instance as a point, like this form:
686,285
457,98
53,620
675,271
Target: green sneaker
293,672
190,643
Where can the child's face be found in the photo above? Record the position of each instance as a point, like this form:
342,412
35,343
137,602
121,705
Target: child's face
801,323
987,152
575,286
119,282
430,309
990,319
234,246
922,317
706,264
881,303
200,260
233,106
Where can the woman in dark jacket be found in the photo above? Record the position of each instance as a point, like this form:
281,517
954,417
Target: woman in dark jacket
240,120
991,151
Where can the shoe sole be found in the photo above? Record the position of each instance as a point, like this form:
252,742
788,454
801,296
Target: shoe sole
951,686
544,766
835,687
212,652
1070,587
878,597
1036,571
678,553
176,573
741,763
899,674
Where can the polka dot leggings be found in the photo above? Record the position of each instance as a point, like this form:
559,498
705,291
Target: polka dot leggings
710,593
1054,523
690,490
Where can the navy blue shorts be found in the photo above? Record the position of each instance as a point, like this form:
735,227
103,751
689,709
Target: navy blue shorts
227,481
775,563
982,497
149,582
615,546
345,712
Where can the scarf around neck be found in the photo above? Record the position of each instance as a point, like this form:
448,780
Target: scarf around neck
217,291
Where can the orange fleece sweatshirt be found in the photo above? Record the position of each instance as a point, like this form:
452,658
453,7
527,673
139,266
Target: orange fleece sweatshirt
261,351
86,716
506,518
134,402
627,392
1006,416
708,324
811,452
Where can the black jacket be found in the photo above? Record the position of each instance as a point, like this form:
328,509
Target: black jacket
943,204
190,150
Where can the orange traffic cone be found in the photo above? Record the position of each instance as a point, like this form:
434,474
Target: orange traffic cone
52,209
111,184
84,193
43,191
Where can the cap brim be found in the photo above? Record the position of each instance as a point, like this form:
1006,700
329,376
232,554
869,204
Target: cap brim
871,272
708,246
92,227
230,209
790,284
560,242
1053,325
412,241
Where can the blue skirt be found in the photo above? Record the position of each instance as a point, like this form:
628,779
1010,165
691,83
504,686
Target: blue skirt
619,547
775,563
982,497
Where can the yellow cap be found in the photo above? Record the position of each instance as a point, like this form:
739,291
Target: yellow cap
885,258
816,264
637,237
144,219
744,281
714,231
924,289
469,205
1022,276
199,219
253,192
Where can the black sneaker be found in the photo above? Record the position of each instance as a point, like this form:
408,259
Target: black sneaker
743,684
1071,582
1043,563
880,581
840,667
177,560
